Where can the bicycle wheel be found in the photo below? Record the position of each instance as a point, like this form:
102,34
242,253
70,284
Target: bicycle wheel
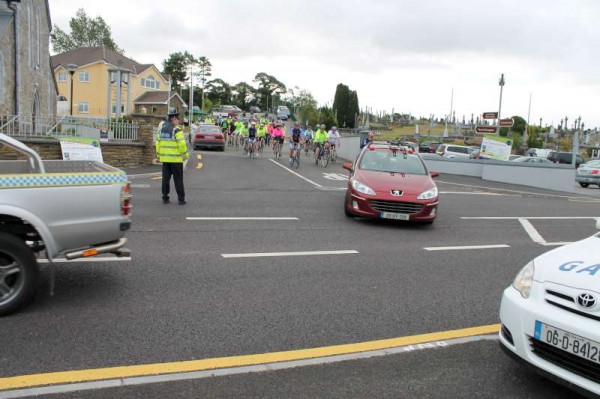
325,159
333,156
297,160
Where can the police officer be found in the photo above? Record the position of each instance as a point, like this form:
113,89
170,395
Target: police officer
171,150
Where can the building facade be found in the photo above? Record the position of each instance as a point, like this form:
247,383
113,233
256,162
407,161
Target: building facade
104,83
27,86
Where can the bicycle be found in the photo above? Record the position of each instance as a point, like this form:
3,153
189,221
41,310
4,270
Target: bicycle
307,146
295,159
252,151
325,154
277,150
333,155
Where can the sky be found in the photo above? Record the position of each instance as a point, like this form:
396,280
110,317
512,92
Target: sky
408,56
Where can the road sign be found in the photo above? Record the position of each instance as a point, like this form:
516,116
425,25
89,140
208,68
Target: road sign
490,115
507,122
485,129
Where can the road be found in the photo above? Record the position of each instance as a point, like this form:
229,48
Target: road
207,286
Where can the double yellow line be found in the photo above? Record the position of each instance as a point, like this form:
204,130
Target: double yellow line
78,376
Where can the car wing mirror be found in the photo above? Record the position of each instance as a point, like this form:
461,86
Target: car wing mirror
348,166
434,174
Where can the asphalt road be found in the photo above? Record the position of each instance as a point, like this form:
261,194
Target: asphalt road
180,299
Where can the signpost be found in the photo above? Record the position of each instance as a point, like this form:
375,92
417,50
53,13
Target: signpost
485,129
507,122
490,115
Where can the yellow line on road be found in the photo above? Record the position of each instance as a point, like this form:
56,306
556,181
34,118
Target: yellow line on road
65,377
199,165
199,157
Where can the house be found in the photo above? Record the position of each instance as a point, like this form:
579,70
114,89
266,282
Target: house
158,103
27,86
101,83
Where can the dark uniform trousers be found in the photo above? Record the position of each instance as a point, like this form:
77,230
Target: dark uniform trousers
174,169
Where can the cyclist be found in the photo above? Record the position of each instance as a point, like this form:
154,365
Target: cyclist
308,138
278,135
261,132
297,136
269,133
320,139
333,138
252,140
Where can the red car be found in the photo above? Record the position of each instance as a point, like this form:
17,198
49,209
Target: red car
391,182
209,136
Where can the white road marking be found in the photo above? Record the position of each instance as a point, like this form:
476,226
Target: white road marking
303,253
479,193
335,176
511,191
300,176
242,218
533,233
92,259
528,217
466,247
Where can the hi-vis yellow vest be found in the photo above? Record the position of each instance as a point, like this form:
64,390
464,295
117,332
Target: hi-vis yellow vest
170,144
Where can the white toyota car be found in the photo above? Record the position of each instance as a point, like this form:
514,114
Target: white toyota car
550,315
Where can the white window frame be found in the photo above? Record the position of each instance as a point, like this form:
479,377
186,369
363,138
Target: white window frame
83,108
62,77
86,74
151,83
113,108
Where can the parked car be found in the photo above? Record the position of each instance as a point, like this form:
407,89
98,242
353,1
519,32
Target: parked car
390,182
550,315
283,112
454,151
533,160
588,173
429,146
565,158
254,109
209,136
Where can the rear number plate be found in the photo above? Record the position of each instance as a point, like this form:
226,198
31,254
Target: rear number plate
209,137
567,341
395,216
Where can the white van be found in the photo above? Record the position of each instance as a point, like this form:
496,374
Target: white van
454,151
283,112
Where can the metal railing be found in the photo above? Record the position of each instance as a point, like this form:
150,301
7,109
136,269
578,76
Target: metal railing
44,126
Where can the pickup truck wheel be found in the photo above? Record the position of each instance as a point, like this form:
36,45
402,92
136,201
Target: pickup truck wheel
19,273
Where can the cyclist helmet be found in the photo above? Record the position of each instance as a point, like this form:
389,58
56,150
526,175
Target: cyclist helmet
322,126
333,128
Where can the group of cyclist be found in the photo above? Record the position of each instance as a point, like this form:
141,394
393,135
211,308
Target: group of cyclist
255,132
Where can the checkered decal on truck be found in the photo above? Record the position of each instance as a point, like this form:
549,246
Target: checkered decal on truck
61,179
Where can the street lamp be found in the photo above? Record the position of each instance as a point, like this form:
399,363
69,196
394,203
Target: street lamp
71,68
501,83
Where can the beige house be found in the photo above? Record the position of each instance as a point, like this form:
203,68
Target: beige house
27,87
158,103
105,84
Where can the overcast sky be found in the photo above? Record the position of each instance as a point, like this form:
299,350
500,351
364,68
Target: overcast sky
405,55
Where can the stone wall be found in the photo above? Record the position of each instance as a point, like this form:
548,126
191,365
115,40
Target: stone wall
117,154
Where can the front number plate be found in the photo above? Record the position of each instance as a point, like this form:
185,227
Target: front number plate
567,341
395,216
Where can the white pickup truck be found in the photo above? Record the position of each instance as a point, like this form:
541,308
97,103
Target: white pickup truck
70,209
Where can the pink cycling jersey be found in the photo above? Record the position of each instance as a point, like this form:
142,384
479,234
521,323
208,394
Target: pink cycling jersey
277,132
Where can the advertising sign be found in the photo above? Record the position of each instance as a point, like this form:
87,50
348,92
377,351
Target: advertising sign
495,147
81,149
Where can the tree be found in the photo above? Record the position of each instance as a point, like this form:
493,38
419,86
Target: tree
243,95
345,105
268,88
218,91
85,32
304,102
519,124
204,72
177,66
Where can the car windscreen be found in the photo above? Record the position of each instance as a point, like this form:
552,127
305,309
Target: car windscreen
210,129
388,161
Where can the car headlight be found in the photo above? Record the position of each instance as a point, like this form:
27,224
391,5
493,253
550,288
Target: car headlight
429,194
362,188
524,280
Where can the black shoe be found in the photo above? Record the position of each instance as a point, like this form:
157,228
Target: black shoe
182,202
165,201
